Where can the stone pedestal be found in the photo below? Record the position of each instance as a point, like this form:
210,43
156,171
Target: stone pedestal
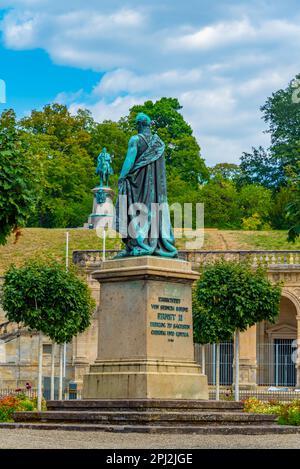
145,340
103,210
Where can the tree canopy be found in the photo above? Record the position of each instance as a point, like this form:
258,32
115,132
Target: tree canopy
232,296
58,146
272,167
17,178
46,298
293,210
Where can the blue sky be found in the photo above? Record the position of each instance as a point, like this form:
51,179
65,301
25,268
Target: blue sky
220,58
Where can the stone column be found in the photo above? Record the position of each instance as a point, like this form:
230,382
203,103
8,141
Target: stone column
145,340
248,364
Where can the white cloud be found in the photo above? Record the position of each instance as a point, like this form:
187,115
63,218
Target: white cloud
268,80
83,38
20,30
221,61
236,32
109,110
222,149
125,80
208,37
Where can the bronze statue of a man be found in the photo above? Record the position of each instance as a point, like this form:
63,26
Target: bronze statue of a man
104,168
142,212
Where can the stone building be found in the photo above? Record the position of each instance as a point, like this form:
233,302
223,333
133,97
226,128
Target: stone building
268,352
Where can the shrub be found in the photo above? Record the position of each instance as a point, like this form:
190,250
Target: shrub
11,404
252,404
44,405
8,405
288,413
252,223
27,405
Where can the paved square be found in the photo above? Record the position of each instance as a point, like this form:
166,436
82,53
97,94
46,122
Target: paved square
21,439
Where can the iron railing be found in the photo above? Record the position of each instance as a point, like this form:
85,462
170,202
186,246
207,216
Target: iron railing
275,364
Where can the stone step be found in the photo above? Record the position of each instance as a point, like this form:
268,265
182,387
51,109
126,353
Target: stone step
201,430
147,418
144,405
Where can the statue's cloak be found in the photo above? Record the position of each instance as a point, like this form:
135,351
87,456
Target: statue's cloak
146,184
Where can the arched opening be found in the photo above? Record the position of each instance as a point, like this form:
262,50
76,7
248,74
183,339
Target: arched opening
276,347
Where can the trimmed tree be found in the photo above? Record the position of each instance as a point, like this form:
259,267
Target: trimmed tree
46,298
230,297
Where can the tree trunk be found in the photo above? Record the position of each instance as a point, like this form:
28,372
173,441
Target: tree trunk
61,355
40,373
52,385
237,365
65,360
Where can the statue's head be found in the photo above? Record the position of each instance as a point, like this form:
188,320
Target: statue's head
142,121
103,150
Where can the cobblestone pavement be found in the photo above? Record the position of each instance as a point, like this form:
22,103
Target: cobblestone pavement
65,439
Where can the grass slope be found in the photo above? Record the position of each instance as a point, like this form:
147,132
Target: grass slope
46,243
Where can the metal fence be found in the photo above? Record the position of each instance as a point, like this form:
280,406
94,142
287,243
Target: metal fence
209,360
30,393
261,394
275,363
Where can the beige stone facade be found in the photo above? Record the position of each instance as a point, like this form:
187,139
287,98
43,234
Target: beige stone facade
18,348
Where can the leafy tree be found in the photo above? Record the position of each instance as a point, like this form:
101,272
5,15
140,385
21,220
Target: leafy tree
278,215
281,112
57,122
232,295
255,199
226,171
221,207
260,168
17,183
59,146
183,158
111,135
46,298
229,297
293,211
167,120
180,191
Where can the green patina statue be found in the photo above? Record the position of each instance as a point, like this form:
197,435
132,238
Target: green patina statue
142,212
104,168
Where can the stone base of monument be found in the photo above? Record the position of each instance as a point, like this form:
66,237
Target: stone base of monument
103,208
158,379
145,347
154,416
